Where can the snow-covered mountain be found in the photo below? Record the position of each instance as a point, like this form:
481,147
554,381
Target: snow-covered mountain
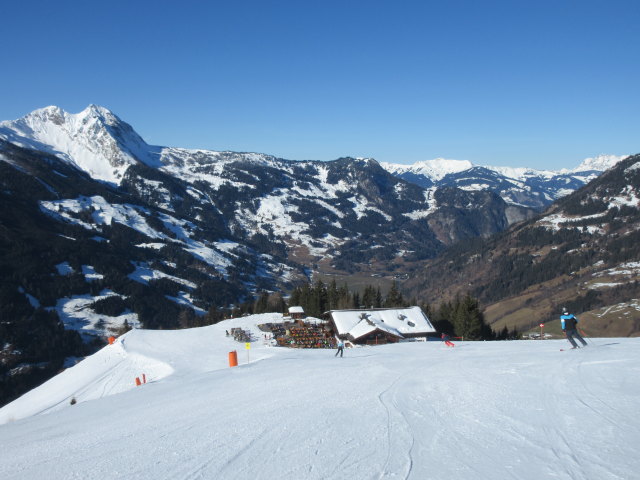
311,207
95,140
582,252
481,410
517,186
101,144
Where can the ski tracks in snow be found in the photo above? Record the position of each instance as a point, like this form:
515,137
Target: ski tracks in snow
399,435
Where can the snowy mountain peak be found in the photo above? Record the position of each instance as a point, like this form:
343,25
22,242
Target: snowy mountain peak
95,140
435,169
599,163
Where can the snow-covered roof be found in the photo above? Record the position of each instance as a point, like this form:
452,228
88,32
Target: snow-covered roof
296,310
396,321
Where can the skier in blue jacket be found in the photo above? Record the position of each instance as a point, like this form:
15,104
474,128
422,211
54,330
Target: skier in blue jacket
569,324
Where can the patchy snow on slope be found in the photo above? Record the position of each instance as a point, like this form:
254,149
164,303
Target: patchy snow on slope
558,221
64,269
33,301
482,410
154,246
185,299
90,274
628,269
202,165
626,198
362,206
76,314
143,274
101,212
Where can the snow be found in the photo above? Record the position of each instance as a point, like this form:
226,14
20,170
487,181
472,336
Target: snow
185,299
64,268
361,206
143,273
87,139
633,167
104,213
628,269
76,314
482,410
90,274
626,198
397,321
599,163
435,169
596,286
101,213
33,301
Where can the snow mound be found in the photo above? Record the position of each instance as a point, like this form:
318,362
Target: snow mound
155,353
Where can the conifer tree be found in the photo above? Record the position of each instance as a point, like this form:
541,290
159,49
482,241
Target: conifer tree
262,303
468,320
333,296
394,297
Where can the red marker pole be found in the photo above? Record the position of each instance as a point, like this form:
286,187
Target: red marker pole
542,331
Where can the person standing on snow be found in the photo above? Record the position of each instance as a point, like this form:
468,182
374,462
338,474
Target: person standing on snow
569,324
340,348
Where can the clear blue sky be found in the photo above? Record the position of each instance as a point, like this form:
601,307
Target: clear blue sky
539,83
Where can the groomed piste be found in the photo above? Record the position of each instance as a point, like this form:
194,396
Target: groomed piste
419,410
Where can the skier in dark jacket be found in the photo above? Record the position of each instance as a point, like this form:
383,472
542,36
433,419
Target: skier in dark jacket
569,324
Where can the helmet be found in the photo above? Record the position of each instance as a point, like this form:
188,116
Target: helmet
565,311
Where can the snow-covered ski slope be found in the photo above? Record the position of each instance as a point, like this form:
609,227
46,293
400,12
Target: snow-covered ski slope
481,410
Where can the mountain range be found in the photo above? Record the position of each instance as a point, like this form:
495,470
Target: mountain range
583,253
99,229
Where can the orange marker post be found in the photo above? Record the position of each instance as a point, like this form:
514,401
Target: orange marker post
233,359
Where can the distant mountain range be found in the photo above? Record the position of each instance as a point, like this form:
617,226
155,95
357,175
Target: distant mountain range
517,186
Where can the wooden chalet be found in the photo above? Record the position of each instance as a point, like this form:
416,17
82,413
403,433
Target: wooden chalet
380,325
296,313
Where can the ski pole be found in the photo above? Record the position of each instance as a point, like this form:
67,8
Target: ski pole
584,336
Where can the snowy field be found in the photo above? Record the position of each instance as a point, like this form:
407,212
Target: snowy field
483,410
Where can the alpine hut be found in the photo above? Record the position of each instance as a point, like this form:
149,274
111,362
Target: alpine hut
380,325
